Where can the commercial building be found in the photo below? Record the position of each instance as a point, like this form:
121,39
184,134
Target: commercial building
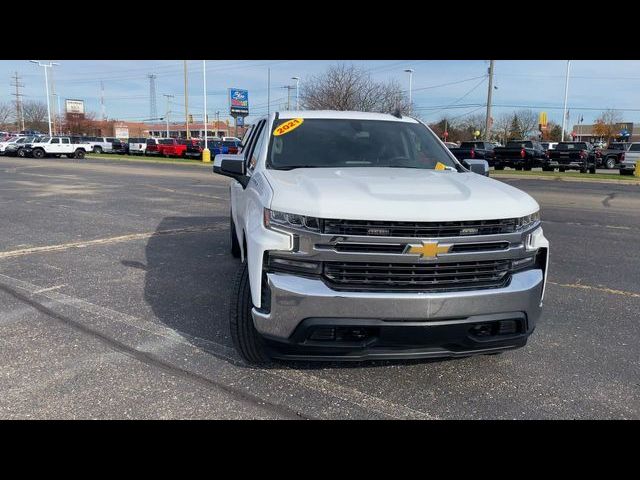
586,133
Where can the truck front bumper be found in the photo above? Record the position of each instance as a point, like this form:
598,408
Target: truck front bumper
307,319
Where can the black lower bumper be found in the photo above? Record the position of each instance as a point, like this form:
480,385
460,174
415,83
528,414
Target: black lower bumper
327,339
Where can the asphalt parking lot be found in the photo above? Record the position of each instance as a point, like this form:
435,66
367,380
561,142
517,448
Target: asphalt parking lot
114,288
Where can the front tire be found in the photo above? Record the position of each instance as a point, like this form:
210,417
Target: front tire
592,169
97,150
244,335
38,153
79,154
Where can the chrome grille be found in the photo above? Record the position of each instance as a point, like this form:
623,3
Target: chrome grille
436,277
418,229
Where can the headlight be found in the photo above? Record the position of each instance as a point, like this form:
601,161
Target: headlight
290,220
525,222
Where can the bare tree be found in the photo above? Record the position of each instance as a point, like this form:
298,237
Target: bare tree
35,115
528,122
473,123
502,127
347,87
6,114
607,124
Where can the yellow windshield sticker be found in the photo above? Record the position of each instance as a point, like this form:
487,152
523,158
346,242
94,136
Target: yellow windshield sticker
287,126
440,166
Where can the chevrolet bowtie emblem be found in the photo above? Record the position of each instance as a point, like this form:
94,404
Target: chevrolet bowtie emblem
429,250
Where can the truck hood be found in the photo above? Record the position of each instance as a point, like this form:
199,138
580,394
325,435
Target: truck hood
395,194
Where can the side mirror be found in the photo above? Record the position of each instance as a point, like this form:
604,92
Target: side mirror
481,167
231,166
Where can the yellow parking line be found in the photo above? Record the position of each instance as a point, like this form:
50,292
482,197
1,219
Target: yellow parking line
102,241
599,289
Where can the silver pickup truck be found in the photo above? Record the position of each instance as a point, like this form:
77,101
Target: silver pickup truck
628,164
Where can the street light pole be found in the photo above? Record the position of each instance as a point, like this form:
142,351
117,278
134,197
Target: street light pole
410,72
297,92
166,116
566,94
206,154
46,84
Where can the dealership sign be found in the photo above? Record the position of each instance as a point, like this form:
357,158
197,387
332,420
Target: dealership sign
238,101
74,106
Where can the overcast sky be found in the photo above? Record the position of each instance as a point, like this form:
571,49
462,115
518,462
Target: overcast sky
594,85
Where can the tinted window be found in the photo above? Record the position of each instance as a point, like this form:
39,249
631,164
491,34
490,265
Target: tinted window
635,147
338,143
55,140
571,146
519,144
151,141
65,140
166,141
617,146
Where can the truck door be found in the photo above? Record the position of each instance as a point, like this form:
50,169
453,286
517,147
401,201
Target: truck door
66,146
53,147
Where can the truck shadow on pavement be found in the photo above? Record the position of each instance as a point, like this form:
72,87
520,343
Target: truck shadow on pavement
189,276
188,285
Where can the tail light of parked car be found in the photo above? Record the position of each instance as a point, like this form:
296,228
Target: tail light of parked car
523,153
233,150
622,156
546,154
583,153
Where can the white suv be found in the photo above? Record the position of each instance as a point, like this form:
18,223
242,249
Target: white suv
363,237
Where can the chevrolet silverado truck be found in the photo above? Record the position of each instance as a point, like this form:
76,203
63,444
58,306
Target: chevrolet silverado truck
362,237
628,164
572,156
612,156
520,155
475,150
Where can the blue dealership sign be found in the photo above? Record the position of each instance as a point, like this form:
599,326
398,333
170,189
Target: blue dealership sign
238,101
240,121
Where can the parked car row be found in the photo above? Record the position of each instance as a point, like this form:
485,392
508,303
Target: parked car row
550,156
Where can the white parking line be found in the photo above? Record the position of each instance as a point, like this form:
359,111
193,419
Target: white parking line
109,240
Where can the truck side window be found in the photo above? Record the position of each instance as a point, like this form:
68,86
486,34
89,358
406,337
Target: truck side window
55,140
65,140
253,161
251,158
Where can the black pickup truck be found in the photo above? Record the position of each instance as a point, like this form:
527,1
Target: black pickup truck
572,156
475,150
612,156
519,154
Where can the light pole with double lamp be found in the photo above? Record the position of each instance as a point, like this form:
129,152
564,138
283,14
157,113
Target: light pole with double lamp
46,84
297,79
206,154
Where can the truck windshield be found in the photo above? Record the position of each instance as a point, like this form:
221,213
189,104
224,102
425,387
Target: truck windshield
339,143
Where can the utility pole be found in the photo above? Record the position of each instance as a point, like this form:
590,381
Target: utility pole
102,111
566,94
53,94
166,116
297,79
487,124
153,109
268,90
288,87
186,100
18,95
217,121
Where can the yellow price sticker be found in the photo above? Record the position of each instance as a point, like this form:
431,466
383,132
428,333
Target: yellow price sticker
440,166
288,126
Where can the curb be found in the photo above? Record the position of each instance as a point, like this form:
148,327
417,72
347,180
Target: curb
565,179
139,160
